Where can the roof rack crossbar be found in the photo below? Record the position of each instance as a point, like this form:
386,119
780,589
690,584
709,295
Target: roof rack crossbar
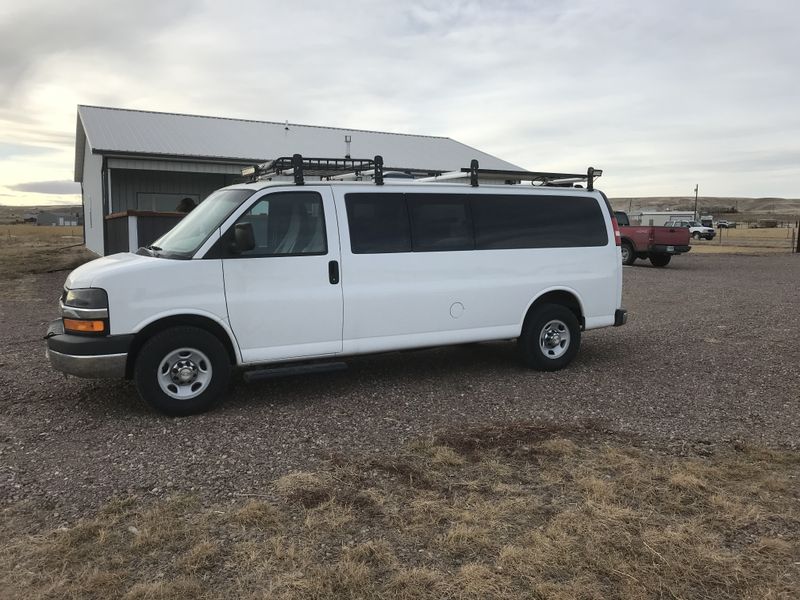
297,168
378,173
473,172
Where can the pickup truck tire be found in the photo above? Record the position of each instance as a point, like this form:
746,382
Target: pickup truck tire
660,260
696,235
628,255
182,371
550,338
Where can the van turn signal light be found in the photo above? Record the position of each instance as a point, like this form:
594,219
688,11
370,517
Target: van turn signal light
84,326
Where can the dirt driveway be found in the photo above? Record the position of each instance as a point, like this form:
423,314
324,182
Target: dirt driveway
710,354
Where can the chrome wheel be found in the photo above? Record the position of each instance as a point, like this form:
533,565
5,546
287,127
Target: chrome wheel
626,253
554,339
184,373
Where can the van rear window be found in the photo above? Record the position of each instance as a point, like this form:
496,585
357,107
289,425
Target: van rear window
506,221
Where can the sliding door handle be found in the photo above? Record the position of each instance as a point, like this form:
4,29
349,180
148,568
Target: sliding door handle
333,272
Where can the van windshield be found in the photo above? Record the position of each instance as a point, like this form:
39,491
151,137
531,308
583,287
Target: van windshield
183,240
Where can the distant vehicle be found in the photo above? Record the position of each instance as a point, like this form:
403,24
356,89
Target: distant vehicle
696,229
707,221
659,244
725,224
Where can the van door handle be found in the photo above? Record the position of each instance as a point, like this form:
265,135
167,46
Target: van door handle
333,272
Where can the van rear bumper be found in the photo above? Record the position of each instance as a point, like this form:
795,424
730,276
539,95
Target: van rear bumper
88,357
620,317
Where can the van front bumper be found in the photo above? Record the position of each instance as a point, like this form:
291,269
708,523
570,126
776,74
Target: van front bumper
85,356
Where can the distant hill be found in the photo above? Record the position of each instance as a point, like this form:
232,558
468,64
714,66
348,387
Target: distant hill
742,209
16,214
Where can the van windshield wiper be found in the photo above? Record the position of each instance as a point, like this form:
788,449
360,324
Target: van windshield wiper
151,250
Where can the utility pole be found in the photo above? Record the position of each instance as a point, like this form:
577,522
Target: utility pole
696,187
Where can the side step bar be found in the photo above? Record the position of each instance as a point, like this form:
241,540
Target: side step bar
271,372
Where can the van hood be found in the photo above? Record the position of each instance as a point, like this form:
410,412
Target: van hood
93,273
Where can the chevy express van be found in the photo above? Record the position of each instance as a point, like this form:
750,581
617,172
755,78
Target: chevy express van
273,272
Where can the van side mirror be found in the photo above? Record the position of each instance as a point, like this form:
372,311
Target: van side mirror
244,239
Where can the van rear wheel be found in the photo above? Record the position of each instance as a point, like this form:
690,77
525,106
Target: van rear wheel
550,338
182,371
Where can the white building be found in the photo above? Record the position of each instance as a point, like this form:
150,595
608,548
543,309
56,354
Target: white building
135,166
659,217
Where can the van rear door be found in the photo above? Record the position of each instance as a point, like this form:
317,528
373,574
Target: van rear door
284,296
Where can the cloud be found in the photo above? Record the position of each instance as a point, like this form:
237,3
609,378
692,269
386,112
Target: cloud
59,188
14,150
655,93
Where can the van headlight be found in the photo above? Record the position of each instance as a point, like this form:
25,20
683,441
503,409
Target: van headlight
85,311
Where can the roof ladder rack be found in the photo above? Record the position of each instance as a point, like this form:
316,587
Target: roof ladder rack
535,177
299,168
345,169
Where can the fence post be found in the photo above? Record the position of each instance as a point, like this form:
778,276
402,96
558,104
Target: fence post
796,234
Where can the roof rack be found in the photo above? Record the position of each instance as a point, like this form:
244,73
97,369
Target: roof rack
300,168
354,168
474,172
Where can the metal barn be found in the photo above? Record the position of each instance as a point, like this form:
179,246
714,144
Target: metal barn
135,166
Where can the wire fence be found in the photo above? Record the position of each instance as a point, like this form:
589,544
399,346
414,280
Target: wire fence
757,236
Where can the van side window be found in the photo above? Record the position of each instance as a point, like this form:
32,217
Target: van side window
506,221
440,222
287,224
378,223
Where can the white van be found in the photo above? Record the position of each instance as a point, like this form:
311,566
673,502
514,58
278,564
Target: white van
275,272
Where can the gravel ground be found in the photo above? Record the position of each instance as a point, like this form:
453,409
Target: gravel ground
710,354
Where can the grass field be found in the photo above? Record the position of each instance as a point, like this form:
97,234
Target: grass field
509,511
748,241
495,512
31,249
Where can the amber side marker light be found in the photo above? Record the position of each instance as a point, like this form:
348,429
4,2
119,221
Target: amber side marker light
82,326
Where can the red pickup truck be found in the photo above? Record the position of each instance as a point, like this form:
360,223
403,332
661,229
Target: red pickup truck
658,244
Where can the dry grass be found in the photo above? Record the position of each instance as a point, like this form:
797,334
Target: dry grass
501,512
30,249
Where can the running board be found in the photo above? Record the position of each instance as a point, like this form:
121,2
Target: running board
293,370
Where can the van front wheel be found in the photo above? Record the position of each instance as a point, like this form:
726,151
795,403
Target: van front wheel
182,371
550,338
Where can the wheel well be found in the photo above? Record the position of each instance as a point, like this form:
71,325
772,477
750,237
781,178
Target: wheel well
177,320
629,242
563,298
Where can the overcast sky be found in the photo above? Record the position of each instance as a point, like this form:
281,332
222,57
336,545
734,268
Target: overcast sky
661,95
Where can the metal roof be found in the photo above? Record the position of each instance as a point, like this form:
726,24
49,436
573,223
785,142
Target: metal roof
116,131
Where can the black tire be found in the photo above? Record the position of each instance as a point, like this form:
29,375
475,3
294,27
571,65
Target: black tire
529,344
628,255
660,260
696,235
194,351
